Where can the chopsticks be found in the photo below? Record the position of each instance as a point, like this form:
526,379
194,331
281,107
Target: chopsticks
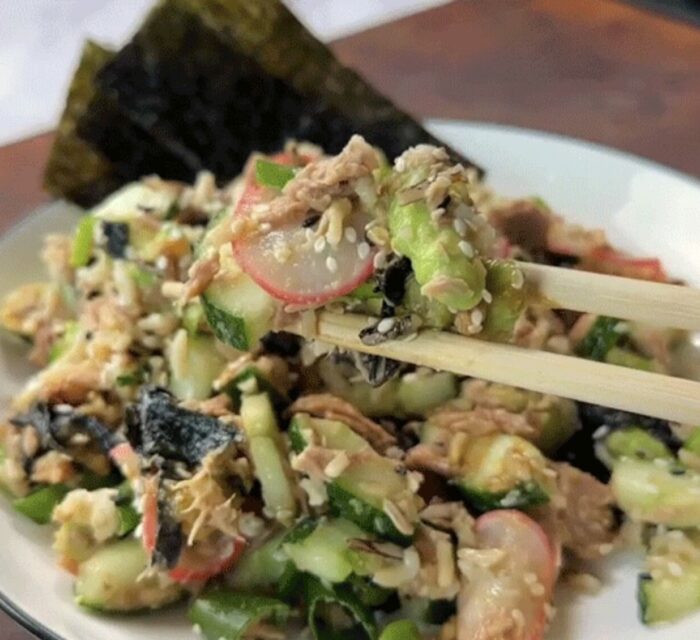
665,305
613,386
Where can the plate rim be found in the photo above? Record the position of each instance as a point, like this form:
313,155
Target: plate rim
39,629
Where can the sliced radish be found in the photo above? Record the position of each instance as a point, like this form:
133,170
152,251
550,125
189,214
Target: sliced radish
292,266
195,566
508,599
126,460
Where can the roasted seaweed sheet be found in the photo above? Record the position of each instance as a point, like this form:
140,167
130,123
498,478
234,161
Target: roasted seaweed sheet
205,82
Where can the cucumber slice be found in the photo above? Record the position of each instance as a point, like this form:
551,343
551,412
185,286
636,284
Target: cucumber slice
262,567
238,310
657,492
223,614
252,381
193,379
258,416
39,505
324,552
331,434
633,442
418,394
111,580
502,472
665,600
268,456
359,493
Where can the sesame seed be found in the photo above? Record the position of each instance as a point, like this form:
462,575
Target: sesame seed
385,325
518,280
477,317
331,264
309,233
265,227
362,250
320,244
380,260
466,248
486,296
350,234
460,226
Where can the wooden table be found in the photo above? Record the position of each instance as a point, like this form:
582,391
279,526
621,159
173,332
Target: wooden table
594,69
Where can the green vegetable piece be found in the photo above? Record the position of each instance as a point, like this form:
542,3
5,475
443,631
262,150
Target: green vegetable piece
603,336
65,342
521,496
504,281
262,567
220,613
668,599
83,242
193,379
91,480
627,358
366,291
193,318
369,593
144,278
251,380
317,595
635,442
271,174
39,505
692,444
131,379
129,519
300,531
440,267
401,630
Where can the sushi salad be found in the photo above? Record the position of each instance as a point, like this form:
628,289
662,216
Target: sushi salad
188,450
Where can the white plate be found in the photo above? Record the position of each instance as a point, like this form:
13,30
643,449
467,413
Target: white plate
645,208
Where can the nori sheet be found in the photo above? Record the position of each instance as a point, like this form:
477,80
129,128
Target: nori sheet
205,82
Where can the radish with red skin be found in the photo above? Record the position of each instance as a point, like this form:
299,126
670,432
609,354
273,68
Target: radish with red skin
290,266
197,567
608,260
521,581
149,521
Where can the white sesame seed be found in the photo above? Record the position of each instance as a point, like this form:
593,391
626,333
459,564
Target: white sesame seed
265,227
320,244
486,296
518,280
350,234
309,233
362,250
380,260
460,226
436,214
331,264
385,325
477,317
466,248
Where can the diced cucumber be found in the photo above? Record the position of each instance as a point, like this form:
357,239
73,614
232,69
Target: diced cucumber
360,492
258,416
626,358
419,393
271,174
401,630
193,378
657,492
193,317
502,472
252,381
331,434
81,249
270,469
238,310
504,283
666,599
260,567
633,442
223,614
111,580
324,553
268,456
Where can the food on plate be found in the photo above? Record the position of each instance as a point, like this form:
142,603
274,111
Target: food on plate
186,448
201,84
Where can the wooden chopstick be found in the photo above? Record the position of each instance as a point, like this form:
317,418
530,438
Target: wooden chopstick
665,305
650,394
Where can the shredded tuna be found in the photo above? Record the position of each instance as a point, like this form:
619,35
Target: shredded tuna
583,513
319,183
326,405
482,421
201,275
